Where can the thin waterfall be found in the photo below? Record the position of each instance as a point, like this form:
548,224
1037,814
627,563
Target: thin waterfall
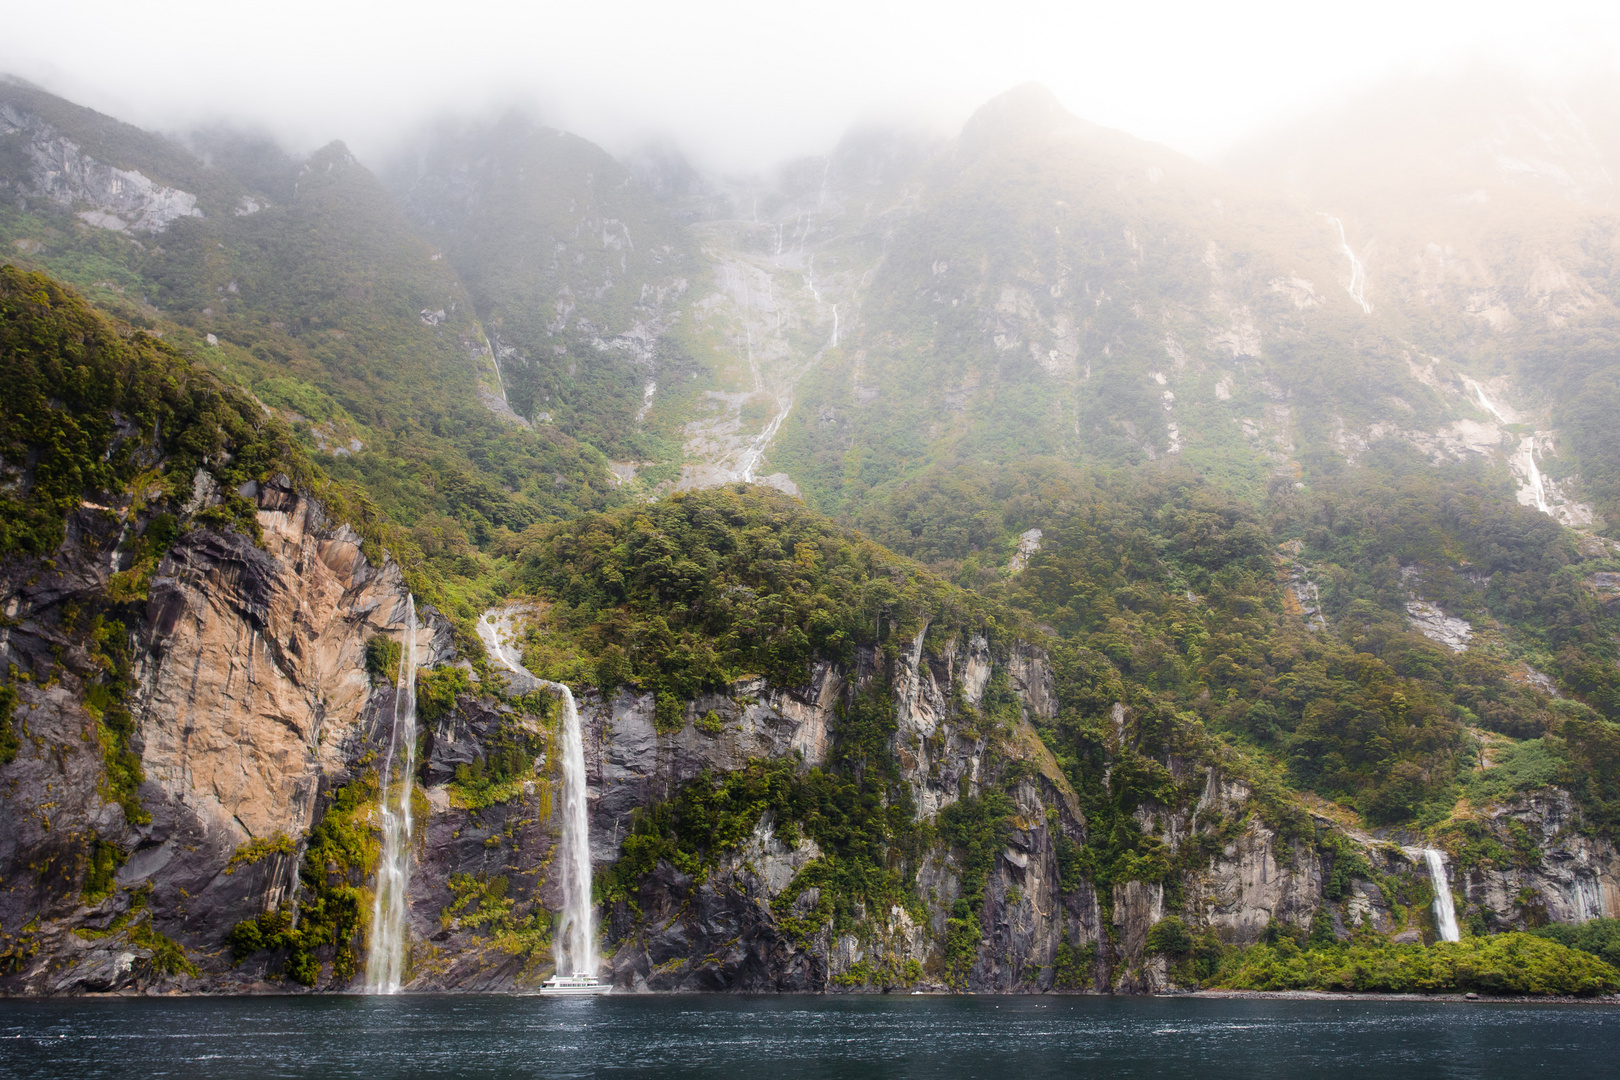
576,952
1525,459
1445,915
385,963
1358,273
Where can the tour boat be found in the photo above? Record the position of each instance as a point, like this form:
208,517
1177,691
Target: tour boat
579,983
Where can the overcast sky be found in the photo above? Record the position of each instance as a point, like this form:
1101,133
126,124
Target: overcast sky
742,85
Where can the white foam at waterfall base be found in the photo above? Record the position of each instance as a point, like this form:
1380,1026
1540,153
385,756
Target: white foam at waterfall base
576,952
385,962
1445,915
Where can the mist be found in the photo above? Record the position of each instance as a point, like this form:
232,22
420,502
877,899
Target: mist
742,86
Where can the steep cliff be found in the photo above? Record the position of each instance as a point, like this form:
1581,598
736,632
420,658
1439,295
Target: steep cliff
248,692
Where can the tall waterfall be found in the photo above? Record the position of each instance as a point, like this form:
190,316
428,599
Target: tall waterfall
385,963
576,933
1445,916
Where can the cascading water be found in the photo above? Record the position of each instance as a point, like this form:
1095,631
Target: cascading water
1524,461
385,963
1358,273
576,932
1445,915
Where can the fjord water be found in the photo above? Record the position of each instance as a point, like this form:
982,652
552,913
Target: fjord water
789,1038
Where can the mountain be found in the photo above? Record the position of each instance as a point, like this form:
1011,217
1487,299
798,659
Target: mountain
301,280
1481,208
1024,561
577,273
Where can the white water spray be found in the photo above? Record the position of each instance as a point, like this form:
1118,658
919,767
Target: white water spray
385,963
576,950
1358,273
1445,915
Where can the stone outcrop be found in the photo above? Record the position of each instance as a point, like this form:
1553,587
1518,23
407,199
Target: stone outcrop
250,694
123,200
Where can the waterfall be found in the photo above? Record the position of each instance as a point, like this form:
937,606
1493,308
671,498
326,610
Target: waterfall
576,933
385,963
1445,916
1524,461
1534,487
1358,273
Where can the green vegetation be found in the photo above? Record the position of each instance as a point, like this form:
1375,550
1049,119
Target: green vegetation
868,848
1503,964
105,859
481,904
258,849
976,830
1519,767
9,742
436,691
382,658
332,908
135,923
693,592
1600,937
1072,968
86,406
497,777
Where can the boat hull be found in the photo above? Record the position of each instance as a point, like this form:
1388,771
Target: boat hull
575,986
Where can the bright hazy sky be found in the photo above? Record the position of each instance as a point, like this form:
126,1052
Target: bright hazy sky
742,85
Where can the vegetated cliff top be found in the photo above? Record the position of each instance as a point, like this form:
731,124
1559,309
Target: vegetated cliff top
95,412
690,593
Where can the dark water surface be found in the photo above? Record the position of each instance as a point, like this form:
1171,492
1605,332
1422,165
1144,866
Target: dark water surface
787,1038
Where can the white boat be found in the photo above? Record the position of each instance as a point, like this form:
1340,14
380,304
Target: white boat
578,983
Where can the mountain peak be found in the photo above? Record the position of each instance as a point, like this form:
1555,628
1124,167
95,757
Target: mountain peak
1023,111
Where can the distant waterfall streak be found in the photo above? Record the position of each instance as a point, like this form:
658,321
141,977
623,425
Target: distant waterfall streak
1484,402
576,935
1538,489
1445,915
1524,461
385,963
1358,273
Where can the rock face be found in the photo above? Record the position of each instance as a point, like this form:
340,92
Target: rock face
251,704
106,197
250,691
1572,877
721,934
